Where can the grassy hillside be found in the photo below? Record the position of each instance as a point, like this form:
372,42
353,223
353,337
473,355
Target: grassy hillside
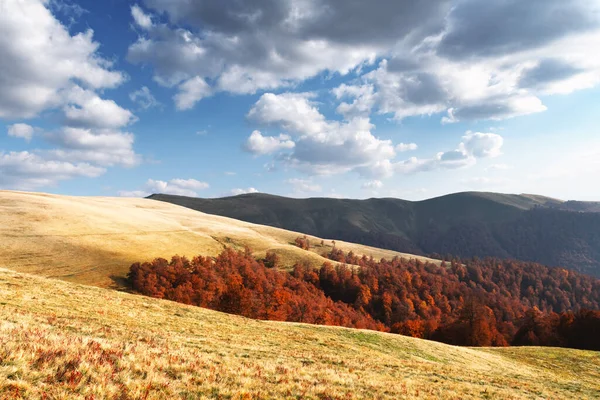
70,341
527,227
94,240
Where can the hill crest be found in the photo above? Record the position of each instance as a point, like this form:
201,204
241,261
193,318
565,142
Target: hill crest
94,240
525,227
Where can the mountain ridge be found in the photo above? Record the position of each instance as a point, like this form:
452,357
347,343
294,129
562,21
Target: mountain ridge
526,227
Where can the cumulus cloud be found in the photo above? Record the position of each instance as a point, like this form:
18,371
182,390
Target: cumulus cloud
192,184
474,146
104,147
473,28
22,131
402,147
190,92
259,145
86,108
181,187
177,186
133,193
26,171
475,91
238,191
464,58
45,67
482,145
140,18
321,146
488,62
40,58
144,98
325,147
248,46
363,100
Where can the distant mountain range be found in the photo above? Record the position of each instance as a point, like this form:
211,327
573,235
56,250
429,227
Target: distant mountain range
525,227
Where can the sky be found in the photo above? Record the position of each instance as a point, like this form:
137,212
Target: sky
300,98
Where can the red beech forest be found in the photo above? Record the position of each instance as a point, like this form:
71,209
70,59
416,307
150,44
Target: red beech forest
478,302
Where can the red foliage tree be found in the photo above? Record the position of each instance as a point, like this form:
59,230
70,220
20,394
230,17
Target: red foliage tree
474,302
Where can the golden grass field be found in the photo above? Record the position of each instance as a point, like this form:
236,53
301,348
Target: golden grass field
63,340
94,240
60,340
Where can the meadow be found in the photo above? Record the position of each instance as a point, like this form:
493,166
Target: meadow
60,340
94,240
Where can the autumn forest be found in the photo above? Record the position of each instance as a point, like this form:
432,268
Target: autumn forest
476,302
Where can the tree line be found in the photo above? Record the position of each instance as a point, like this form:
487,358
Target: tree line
477,302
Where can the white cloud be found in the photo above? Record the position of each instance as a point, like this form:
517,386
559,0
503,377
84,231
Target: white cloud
498,70
377,170
192,184
27,171
474,146
430,85
321,146
259,145
40,58
180,187
372,185
144,98
141,19
102,147
190,92
238,191
482,145
303,185
363,100
198,44
294,112
330,147
465,58
45,67
22,131
87,109
402,147
134,193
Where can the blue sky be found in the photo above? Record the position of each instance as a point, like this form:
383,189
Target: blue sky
300,98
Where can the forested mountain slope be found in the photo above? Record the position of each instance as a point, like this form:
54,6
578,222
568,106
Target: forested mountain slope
525,227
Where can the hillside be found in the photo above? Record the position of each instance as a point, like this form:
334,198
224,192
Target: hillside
525,227
62,340
94,240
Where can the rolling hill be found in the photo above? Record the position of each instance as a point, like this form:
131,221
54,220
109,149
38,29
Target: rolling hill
524,227
94,240
64,340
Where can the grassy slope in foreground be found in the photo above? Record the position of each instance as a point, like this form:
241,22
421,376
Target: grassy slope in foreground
91,239
73,341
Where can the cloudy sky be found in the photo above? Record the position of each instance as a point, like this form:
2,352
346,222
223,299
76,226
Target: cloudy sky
303,98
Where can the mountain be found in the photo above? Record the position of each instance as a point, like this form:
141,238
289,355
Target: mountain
524,227
94,240
64,340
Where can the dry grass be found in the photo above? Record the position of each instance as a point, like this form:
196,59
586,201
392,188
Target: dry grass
91,239
66,341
